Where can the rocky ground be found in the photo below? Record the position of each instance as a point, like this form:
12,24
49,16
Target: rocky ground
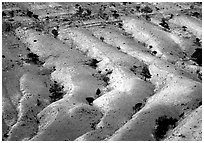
101,71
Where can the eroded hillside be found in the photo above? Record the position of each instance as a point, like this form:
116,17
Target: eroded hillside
101,71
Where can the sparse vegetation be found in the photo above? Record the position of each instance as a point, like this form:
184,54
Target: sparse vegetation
33,58
126,84
197,56
92,63
163,125
56,91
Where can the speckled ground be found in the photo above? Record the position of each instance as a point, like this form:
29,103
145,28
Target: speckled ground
101,71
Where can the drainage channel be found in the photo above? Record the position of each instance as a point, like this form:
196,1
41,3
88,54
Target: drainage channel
124,84
78,95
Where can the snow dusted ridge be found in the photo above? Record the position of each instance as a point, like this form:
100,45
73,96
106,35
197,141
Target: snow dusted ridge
116,78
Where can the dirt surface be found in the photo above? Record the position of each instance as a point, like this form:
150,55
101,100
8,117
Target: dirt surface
101,71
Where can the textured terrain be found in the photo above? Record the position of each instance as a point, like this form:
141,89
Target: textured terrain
101,71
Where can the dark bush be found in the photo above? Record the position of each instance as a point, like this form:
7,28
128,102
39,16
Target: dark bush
197,56
163,125
90,100
33,58
56,91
